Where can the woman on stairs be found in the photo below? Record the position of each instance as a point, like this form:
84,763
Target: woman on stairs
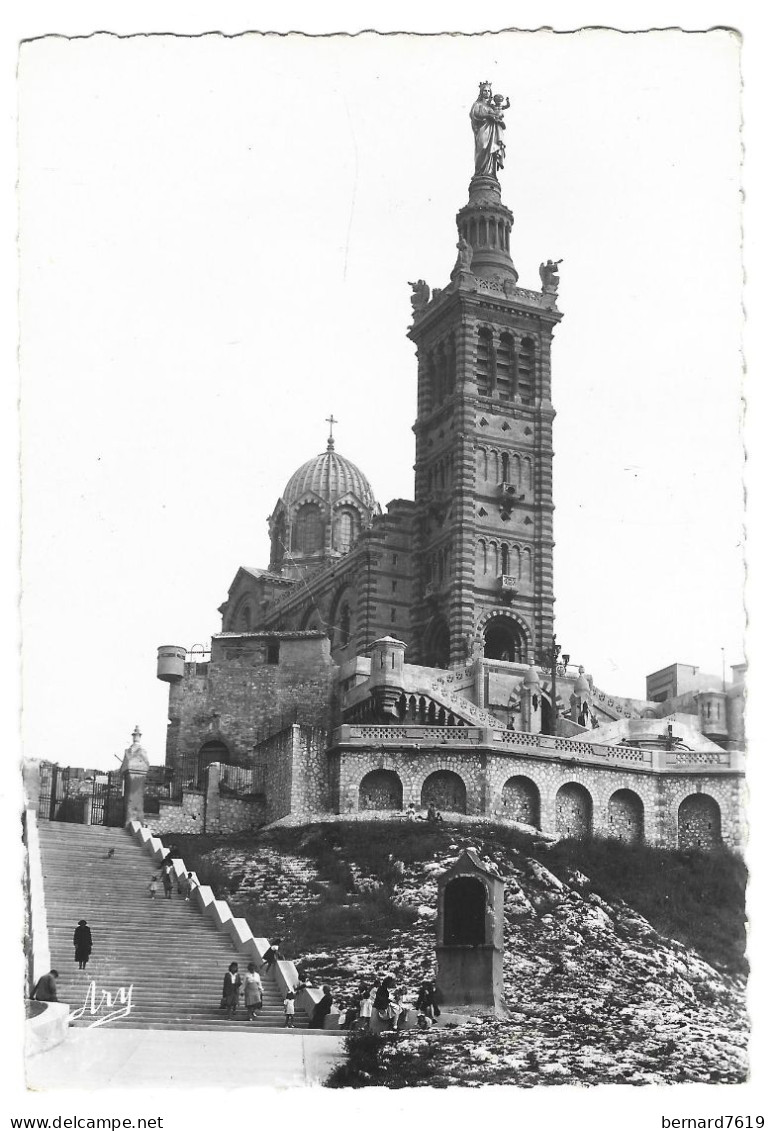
82,944
231,986
253,992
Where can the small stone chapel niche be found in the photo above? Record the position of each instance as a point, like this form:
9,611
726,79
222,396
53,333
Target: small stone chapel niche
469,935
464,921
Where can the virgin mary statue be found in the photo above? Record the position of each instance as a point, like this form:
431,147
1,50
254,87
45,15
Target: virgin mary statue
486,118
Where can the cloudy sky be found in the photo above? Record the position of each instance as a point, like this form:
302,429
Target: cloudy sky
215,241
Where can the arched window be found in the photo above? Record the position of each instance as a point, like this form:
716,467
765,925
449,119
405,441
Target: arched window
481,557
483,361
505,559
527,371
308,530
246,618
505,464
344,623
504,368
346,531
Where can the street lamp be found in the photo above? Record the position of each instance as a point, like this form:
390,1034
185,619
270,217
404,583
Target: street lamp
548,660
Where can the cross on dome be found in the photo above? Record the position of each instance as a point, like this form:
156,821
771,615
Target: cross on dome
330,420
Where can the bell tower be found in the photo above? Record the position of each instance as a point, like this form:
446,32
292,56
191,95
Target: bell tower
483,472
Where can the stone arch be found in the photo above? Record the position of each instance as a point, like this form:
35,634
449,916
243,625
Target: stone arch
504,638
519,629
626,816
214,750
310,619
699,822
521,800
380,789
446,790
574,811
437,643
341,617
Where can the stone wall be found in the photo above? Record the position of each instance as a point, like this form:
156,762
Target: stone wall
186,816
310,789
274,771
292,767
625,804
242,693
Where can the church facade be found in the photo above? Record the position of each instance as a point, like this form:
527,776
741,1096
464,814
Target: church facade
406,654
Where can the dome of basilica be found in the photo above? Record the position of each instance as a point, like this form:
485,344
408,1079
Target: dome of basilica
325,507
330,476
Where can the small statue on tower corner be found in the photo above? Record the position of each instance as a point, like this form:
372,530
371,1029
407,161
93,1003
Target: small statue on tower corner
549,276
420,295
464,258
486,118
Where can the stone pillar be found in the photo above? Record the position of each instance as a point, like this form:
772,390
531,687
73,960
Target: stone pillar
580,700
134,770
211,823
469,937
531,702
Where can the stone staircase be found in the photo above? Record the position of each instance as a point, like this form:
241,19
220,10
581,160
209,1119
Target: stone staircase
172,956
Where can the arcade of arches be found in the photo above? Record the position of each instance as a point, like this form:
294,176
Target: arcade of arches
621,815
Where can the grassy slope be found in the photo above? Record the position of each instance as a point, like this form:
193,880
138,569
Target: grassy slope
696,898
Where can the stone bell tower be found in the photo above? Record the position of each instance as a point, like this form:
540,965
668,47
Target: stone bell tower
484,520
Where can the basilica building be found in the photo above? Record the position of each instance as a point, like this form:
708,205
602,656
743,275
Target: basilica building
406,653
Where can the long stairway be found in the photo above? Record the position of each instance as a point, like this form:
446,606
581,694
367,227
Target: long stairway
171,955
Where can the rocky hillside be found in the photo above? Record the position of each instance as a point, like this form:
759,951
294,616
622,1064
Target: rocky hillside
596,994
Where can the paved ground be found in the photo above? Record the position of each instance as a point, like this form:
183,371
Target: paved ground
106,1058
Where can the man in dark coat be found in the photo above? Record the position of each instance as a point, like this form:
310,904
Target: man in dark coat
45,990
82,943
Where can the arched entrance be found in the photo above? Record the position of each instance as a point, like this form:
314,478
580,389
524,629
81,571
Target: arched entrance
381,789
214,751
698,822
446,790
504,639
626,816
437,649
521,801
573,811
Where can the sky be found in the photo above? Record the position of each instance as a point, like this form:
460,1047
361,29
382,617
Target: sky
215,241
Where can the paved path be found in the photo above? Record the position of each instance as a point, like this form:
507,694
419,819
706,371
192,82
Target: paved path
106,1058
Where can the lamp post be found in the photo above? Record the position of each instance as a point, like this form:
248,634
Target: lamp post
548,660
